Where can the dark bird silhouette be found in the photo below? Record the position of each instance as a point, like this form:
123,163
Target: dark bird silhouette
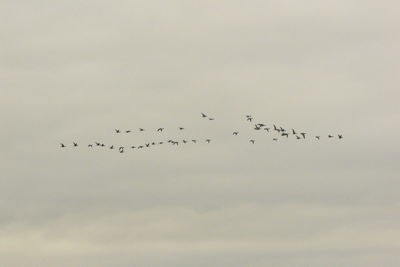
147,145
297,137
285,134
128,131
175,142
133,147
103,145
111,147
121,151
250,119
208,140
266,129
140,146
248,116
275,139
75,144
211,119
275,128
235,133
252,141
340,136
117,131
181,128
161,143
256,127
318,137
121,148
184,141
141,129
294,132
282,130
330,136
203,115
98,144
62,145
194,141
153,143
304,135
260,124
90,145
160,129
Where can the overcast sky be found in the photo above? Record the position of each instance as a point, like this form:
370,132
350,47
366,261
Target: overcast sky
76,70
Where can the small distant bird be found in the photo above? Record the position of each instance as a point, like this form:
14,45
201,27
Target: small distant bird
297,137
208,140
184,141
318,137
203,115
330,136
147,145
153,143
275,128
266,129
175,143
211,119
256,127
112,147
117,131
275,139
121,151
283,130
248,116
98,144
293,131
140,146
252,141
181,128
260,124
250,119
121,148
128,131
285,134
194,141
62,145
340,136
160,143
103,145
235,133
132,147
160,129
141,129
90,145
75,144
304,135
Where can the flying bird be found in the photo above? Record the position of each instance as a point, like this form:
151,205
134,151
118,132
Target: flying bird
203,115
250,119
293,131
304,135
297,137
275,139
266,129
184,141
112,147
330,136
117,131
211,119
75,144
62,145
208,140
181,128
128,131
235,133
141,129
90,145
285,134
340,136
160,129
194,141
252,141
318,137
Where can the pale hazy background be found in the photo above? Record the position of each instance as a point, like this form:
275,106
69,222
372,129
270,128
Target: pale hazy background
75,70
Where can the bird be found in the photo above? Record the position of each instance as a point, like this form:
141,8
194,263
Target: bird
75,144
160,143
184,141
141,129
112,147
62,145
260,124
133,147
330,136
275,139
266,129
147,144
160,129
293,131
285,134
117,131
103,145
208,140
153,143
121,148
304,135
252,141
275,128
318,137
175,143
98,144
128,131
250,119
340,136
90,145
297,137
256,127
248,116
283,130
181,128
211,119
235,133
203,115
121,151
140,146
194,141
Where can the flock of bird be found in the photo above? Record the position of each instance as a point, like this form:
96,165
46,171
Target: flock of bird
280,131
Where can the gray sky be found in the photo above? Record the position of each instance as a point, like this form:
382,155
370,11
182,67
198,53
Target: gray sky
75,70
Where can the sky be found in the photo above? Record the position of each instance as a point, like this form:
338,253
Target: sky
76,70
